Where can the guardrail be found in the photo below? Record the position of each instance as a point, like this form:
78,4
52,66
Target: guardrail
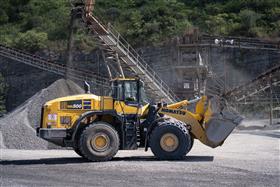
155,81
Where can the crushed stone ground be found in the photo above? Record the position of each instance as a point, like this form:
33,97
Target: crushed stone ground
17,128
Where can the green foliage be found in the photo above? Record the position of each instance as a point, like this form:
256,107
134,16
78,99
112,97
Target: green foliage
2,96
248,18
31,24
254,18
140,21
31,40
143,21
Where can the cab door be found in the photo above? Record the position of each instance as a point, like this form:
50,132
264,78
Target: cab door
126,96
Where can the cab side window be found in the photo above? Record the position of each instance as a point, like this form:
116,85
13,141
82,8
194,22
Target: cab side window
130,91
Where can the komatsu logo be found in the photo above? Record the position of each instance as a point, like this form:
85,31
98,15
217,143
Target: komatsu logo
179,112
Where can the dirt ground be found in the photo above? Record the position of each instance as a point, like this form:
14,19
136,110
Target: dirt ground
247,158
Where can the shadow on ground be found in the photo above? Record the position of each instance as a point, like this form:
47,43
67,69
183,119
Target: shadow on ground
55,161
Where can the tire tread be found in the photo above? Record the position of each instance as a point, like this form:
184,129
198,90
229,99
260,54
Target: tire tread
91,157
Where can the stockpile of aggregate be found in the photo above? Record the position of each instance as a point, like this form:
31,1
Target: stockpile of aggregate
17,128
259,124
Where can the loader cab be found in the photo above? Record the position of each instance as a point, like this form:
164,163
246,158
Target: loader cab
128,91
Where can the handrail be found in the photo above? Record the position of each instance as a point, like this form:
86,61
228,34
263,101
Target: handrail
136,58
242,42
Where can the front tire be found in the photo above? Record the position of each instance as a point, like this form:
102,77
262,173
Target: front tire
77,150
170,141
99,142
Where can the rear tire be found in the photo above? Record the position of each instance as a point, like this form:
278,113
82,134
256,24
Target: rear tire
170,141
192,142
99,142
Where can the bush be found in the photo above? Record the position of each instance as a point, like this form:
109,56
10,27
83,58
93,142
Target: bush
141,22
249,18
31,40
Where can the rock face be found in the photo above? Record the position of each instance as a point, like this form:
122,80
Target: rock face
172,62
233,65
23,81
17,127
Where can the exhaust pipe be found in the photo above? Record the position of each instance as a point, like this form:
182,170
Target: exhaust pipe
87,87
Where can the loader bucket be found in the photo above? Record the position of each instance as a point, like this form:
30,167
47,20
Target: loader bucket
221,122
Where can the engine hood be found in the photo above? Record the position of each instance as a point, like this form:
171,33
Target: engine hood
74,97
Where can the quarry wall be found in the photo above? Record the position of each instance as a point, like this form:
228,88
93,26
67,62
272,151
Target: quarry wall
175,64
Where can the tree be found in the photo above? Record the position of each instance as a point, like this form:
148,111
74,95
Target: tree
249,18
141,22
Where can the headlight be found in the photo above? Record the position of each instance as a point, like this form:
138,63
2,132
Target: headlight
52,117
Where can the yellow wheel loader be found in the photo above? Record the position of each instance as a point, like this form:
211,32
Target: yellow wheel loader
96,127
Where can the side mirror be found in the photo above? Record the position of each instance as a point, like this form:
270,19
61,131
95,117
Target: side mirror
87,87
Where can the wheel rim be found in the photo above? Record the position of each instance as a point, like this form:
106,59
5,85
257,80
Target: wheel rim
169,142
100,142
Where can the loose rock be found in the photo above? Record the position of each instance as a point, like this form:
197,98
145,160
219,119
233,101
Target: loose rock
17,128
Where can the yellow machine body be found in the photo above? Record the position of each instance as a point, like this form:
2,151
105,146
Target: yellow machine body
66,112
72,107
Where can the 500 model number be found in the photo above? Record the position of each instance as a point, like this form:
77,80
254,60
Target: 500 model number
71,105
77,106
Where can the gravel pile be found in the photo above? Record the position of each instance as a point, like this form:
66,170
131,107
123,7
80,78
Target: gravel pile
258,124
2,146
17,128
